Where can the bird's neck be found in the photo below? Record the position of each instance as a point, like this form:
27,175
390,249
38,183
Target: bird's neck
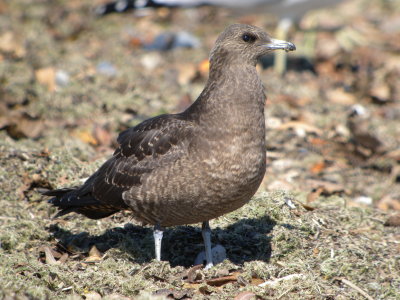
232,92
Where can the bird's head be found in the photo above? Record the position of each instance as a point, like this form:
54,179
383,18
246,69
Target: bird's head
245,44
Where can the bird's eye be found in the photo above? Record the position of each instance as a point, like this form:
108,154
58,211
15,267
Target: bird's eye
248,38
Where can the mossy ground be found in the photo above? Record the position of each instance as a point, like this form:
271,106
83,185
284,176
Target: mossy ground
336,242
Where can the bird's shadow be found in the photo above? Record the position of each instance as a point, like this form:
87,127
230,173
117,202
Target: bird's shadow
245,240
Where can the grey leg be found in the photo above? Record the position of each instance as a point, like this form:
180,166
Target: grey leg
158,235
206,232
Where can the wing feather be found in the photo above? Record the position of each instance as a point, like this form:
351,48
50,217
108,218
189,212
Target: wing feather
142,149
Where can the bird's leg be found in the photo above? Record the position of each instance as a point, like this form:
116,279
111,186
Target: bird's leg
206,233
280,56
158,235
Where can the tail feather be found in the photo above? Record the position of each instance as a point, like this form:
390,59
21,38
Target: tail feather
69,200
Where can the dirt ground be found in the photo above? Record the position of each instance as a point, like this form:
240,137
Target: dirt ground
70,81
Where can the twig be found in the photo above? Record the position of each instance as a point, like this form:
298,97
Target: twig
353,286
276,281
285,292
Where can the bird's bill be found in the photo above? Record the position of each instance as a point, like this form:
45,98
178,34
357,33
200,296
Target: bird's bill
279,44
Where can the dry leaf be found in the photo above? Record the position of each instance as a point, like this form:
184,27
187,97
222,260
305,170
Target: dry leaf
187,72
50,260
223,280
24,126
341,97
393,221
245,296
204,67
192,273
256,281
328,188
85,136
94,255
318,167
63,258
102,136
314,194
10,45
306,207
388,202
47,77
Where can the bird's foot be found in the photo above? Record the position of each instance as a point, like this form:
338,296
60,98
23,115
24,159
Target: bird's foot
208,266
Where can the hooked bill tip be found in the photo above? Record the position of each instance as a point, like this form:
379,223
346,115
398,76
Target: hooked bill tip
280,45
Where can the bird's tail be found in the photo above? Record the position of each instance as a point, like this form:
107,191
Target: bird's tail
69,200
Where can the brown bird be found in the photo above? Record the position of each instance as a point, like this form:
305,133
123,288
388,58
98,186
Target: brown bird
194,166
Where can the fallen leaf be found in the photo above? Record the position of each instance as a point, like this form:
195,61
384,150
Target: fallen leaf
245,296
388,202
256,281
192,274
102,136
24,126
339,96
314,194
393,221
10,45
318,167
306,207
50,260
94,255
63,258
204,67
85,136
223,280
317,141
328,188
47,77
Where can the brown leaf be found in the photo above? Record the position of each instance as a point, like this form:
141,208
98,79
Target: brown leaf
24,126
256,281
317,142
102,136
63,258
50,260
94,255
85,136
314,194
192,273
318,167
10,45
328,188
341,97
223,280
388,202
204,67
245,296
305,206
46,77
393,221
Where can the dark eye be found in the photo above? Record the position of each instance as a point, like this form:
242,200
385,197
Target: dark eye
248,38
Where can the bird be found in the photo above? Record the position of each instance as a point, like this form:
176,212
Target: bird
193,166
